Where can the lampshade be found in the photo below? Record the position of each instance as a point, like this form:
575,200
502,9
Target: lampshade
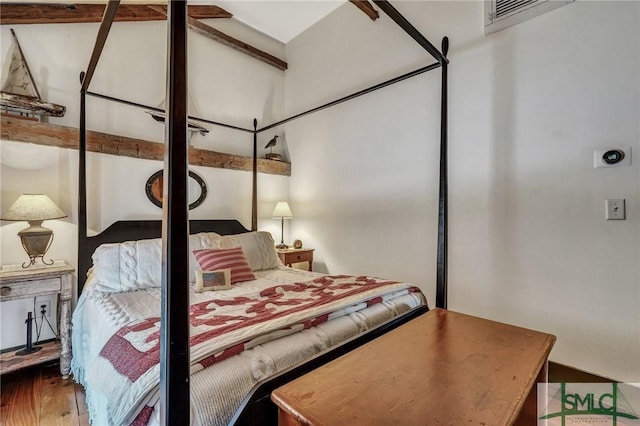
282,210
33,207
36,239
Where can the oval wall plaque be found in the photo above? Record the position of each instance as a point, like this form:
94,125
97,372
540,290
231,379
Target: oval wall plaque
197,189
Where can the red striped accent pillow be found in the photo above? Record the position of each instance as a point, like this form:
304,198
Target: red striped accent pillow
214,259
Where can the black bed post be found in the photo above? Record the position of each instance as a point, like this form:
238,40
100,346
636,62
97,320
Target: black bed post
441,276
412,31
254,195
174,324
441,57
82,188
108,16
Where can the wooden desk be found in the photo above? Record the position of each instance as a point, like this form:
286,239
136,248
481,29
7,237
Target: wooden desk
441,368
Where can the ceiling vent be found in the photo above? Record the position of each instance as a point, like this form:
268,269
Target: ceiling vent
500,14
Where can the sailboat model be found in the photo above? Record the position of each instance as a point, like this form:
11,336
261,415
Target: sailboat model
193,127
19,95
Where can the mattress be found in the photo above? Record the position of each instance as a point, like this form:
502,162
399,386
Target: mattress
218,389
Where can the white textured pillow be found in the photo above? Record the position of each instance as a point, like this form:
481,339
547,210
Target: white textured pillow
203,240
258,247
135,265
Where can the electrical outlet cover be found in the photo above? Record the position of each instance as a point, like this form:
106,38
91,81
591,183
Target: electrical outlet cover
47,304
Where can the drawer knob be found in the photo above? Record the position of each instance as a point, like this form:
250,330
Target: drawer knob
299,257
4,291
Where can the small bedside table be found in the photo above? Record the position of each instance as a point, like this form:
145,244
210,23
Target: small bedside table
289,256
18,283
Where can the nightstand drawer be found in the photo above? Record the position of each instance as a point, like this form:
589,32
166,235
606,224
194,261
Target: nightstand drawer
30,288
306,256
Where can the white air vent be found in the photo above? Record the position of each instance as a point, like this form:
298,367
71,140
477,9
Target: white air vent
500,14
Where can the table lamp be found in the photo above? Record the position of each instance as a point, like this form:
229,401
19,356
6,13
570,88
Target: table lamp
282,212
36,239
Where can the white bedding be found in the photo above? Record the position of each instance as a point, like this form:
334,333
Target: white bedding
218,390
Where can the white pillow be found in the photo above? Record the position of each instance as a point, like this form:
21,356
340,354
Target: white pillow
258,247
135,265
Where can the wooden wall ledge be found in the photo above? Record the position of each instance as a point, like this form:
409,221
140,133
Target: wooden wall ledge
15,129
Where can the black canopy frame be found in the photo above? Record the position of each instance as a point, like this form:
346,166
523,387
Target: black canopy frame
174,362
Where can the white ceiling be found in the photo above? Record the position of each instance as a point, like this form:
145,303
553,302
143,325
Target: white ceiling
282,20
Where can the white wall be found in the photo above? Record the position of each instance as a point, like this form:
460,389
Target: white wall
528,105
528,240
224,85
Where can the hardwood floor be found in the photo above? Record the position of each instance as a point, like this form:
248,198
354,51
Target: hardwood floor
559,373
38,396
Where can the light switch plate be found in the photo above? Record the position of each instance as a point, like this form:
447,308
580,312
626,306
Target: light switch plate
615,210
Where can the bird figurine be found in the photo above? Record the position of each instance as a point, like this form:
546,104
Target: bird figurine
270,145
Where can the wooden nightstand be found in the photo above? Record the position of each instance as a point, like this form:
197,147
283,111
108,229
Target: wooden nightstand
21,283
290,256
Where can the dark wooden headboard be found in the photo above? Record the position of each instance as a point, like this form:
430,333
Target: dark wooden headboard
129,230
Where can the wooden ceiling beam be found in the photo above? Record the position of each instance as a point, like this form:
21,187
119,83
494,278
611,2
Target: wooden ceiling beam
57,13
367,8
220,37
236,44
19,130
41,13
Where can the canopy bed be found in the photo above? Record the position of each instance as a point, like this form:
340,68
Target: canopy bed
123,285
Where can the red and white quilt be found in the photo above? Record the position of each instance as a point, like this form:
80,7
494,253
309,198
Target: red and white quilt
127,369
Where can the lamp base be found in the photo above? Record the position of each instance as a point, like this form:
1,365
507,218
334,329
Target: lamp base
27,351
29,348
36,240
282,246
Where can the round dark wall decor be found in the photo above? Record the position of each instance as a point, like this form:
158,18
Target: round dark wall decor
613,156
153,188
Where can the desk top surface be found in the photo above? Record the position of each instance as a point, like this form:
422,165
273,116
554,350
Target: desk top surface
440,368
13,273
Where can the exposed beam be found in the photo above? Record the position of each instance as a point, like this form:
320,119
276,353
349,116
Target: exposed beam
367,8
57,13
39,13
241,46
227,40
15,129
